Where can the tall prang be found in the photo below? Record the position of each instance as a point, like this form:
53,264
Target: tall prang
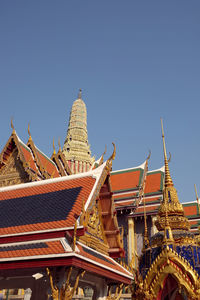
76,147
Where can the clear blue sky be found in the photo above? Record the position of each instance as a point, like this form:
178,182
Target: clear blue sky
136,61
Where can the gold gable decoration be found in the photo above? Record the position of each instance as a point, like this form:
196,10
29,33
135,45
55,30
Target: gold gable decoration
94,236
13,172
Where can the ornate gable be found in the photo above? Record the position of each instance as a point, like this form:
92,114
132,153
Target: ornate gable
94,236
16,163
13,172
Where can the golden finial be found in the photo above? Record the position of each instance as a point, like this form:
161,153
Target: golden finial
112,157
105,151
168,180
141,196
74,236
54,150
148,157
29,133
12,126
170,206
101,160
59,150
197,198
80,94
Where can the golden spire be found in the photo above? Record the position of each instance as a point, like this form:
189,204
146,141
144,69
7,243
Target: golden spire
197,198
76,147
146,240
80,94
168,180
170,214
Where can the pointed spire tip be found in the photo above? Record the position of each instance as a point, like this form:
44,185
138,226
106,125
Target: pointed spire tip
80,94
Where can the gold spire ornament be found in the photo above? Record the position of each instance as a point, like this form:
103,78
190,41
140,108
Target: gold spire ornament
59,150
80,94
197,198
146,239
54,150
170,203
12,126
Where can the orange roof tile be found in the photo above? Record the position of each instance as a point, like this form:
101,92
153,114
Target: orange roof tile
48,164
102,259
35,207
140,210
31,249
153,182
29,158
126,180
190,210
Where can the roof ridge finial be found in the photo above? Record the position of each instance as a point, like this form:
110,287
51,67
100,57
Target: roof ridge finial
54,150
80,94
60,150
168,180
12,126
29,133
197,198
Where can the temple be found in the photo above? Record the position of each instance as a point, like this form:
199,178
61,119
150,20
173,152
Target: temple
72,228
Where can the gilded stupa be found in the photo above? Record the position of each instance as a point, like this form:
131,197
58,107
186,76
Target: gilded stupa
170,205
76,148
169,265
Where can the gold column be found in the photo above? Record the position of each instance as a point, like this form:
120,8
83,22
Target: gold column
131,242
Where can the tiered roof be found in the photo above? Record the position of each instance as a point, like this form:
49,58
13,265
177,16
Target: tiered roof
26,163
41,221
126,184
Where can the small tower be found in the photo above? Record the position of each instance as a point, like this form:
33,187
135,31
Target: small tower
76,148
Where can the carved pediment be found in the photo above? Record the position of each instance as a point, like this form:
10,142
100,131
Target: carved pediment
94,236
13,172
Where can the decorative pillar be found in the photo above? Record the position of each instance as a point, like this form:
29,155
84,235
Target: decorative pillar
80,166
76,167
154,229
131,242
27,294
101,290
